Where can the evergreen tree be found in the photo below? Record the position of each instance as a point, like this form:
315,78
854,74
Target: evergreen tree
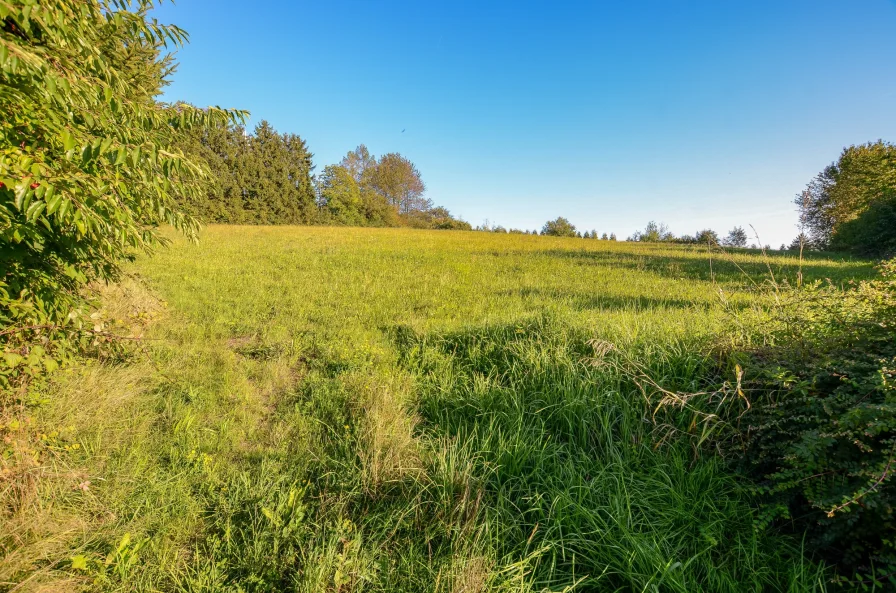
276,178
223,149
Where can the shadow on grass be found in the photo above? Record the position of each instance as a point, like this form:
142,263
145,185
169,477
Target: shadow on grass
720,267
563,455
586,301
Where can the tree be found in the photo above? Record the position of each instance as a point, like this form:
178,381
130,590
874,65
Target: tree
340,197
358,162
604,237
737,237
437,218
873,232
707,237
612,236
399,182
377,211
653,232
276,178
799,242
862,177
89,167
263,178
559,227
223,150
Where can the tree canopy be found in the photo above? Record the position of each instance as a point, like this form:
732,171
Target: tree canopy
737,237
851,204
559,227
654,232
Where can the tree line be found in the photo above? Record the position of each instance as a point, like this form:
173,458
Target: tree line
266,177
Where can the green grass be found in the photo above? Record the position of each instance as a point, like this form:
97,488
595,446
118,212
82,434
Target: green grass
319,409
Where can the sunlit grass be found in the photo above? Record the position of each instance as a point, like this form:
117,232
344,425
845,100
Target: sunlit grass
394,410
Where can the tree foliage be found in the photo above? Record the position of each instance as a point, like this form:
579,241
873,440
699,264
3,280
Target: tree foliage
397,180
266,178
654,232
340,197
559,227
707,237
851,204
88,164
358,162
737,237
258,178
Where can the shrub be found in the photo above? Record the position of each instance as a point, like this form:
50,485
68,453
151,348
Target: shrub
811,418
822,433
86,169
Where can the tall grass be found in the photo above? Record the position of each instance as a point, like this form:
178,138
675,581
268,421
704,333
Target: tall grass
388,410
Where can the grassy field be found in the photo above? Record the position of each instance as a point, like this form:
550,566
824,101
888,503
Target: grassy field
321,409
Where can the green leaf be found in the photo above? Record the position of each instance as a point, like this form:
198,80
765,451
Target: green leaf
35,210
52,198
79,562
104,146
64,206
68,140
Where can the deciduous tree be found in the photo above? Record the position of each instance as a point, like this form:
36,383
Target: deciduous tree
397,180
89,167
862,180
737,237
559,227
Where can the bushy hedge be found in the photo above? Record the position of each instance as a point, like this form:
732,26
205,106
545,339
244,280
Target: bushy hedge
88,171
821,434
809,413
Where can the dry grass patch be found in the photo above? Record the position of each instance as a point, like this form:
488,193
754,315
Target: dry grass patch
389,452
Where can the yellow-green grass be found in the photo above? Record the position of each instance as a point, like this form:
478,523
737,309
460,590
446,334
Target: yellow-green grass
343,409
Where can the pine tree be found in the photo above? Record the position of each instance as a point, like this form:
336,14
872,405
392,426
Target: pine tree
276,178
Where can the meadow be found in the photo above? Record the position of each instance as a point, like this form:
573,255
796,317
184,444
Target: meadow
331,409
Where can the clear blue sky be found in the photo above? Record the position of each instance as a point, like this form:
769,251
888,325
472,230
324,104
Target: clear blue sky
696,113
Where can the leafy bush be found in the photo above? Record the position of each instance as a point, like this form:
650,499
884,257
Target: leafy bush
811,417
822,433
86,169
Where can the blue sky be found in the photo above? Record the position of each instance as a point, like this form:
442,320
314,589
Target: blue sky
696,113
